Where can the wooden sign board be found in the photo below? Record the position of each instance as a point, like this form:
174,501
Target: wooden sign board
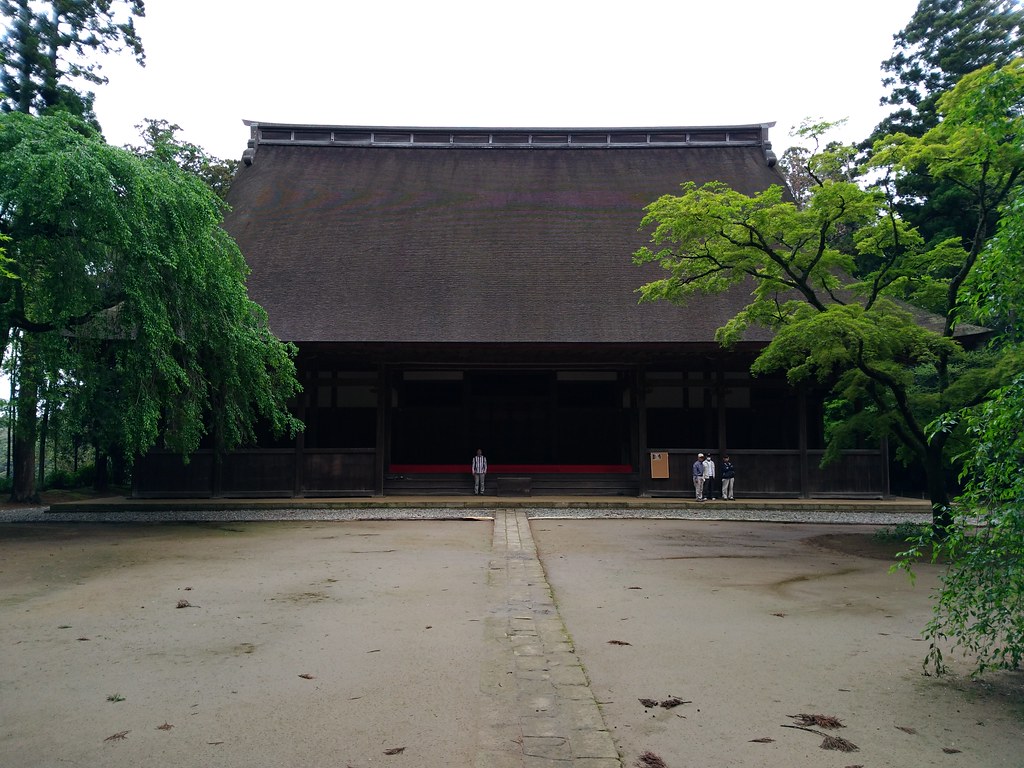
659,465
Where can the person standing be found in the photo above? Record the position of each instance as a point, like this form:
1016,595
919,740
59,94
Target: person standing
728,477
709,478
479,470
698,477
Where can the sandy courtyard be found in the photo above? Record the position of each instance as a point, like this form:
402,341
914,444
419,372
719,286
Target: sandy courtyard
334,644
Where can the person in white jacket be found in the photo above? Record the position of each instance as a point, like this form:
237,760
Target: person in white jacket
709,478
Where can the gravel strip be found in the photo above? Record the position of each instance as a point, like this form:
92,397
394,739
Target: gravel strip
40,515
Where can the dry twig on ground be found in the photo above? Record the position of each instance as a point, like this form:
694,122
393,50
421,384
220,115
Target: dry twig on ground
822,721
829,742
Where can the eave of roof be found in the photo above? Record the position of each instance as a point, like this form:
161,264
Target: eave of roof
750,134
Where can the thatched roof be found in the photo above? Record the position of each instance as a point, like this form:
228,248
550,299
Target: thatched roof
474,235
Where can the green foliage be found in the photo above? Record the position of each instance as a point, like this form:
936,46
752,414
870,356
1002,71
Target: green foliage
945,40
60,478
978,148
979,607
996,286
65,479
160,141
836,277
130,294
49,42
906,532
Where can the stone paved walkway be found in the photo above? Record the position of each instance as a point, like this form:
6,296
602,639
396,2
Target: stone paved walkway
540,711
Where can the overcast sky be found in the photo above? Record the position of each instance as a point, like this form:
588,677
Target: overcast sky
517,63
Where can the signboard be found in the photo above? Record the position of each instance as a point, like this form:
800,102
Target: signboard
659,465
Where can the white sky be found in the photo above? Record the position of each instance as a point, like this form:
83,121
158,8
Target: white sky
517,63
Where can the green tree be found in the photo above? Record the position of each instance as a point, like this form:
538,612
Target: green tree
46,46
121,280
829,278
979,605
49,44
943,41
160,140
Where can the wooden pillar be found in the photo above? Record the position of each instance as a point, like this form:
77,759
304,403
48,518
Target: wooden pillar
640,427
707,379
301,413
466,426
216,473
723,442
805,474
553,448
298,470
383,443
883,450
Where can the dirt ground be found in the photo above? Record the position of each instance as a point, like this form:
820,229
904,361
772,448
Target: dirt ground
753,623
384,618
331,644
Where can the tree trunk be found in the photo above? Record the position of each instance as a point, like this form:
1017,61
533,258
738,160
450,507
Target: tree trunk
44,431
938,490
101,482
23,489
119,470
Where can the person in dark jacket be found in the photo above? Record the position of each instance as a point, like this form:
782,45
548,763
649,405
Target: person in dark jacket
728,472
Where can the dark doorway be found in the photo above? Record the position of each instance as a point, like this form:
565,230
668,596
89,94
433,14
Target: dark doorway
509,415
540,417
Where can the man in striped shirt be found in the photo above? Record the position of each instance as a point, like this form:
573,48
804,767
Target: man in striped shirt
479,470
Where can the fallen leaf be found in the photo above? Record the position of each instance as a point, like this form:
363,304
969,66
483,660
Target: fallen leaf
119,736
764,740
650,760
164,727
637,588
183,604
673,701
951,750
906,729
648,703
82,639
394,751
306,676
780,615
618,642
